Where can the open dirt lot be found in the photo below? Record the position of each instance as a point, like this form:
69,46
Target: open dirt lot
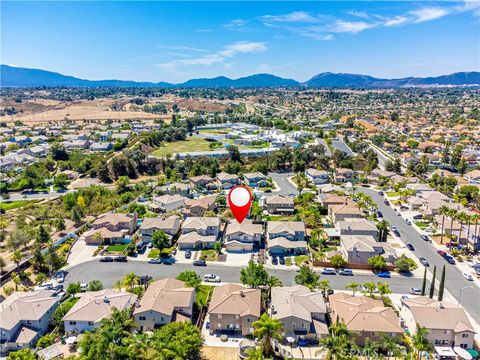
219,353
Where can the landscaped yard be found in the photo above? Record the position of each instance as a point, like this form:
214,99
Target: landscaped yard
421,224
116,248
209,255
300,259
15,204
189,145
393,193
203,294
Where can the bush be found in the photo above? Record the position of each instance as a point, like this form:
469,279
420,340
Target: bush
338,261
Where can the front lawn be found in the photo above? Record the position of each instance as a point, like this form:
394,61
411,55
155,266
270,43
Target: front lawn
117,248
300,259
209,255
189,145
393,193
422,225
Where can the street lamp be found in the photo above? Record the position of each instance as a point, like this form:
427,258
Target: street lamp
460,294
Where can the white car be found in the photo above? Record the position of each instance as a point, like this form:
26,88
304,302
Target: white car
83,286
473,264
212,278
468,276
415,291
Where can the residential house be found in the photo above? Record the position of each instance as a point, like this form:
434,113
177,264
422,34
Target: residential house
255,179
242,237
447,324
24,318
286,238
366,317
302,312
234,308
199,233
111,228
357,249
344,212
280,204
164,301
203,181
176,188
317,177
358,227
343,175
93,306
473,177
167,203
227,181
328,200
169,225
101,146
200,206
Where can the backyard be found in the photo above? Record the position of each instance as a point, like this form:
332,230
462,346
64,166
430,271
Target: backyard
190,145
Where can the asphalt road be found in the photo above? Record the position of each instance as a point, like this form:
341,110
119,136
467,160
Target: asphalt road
35,196
285,186
340,145
381,157
109,273
454,280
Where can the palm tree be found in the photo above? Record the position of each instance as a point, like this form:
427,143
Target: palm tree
382,226
384,289
462,217
265,330
452,213
420,341
469,219
16,280
130,280
352,286
476,217
369,288
338,342
443,211
324,286
118,285
17,258
273,281
369,348
390,344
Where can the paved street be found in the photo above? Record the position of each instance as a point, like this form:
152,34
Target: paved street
340,145
381,157
470,298
36,196
109,273
285,186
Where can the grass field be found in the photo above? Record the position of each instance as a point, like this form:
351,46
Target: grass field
192,144
15,204
116,248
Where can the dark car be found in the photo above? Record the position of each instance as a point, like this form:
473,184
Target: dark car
424,261
345,272
144,279
386,202
450,259
188,254
281,260
384,274
120,259
106,259
417,217
274,260
381,193
424,237
396,232
379,214
167,260
410,247
199,263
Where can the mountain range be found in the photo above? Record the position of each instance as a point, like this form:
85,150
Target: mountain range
22,77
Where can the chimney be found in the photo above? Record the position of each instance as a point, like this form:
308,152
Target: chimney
242,294
106,299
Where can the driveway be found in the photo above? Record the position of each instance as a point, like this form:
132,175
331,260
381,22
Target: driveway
455,283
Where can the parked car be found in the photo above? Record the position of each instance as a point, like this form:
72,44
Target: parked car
167,260
188,254
386,202
274,260
379,214
83,287
408,222
450,259
106,259
396,232
328,271
467,276
381,193
441,253
345,272
417,217
415,291
424,237
424,261
212,278
397,213
144,279
410,247
281,260
384,274
155,261
199,263
120,259
60,276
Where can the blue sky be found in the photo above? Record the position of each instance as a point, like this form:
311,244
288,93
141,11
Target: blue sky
166,41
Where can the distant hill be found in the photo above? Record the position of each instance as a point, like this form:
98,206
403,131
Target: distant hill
22,77
364,81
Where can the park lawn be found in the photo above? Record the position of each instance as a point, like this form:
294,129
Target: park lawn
203,294
116,248
15,204
189,145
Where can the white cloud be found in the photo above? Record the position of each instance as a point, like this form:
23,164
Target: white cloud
296,16
235,23
353,27
228,52
396,21
427,14
360,14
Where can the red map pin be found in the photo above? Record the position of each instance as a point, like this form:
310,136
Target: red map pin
240,201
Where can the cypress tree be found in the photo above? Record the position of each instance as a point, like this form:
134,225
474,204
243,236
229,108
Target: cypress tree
424,283
442,285
432,285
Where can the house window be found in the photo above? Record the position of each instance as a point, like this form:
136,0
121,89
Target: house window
445,342
218,316
161,318
293,325
29,322
249,320
464,336
73,323
437,342
142,318
303,325
464,346
90,323
237,317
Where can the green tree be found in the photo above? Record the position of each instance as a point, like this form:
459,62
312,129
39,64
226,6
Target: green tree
122,184
424,282
338,261
130,280
324,286
441,287
384,289
420,342
73,288
190,278
178,340
307,277
24,354
338,342
95,285
432,285
254,275
160,240
265,330
369,288
17,257
103,172
377,263
352,286
61,181
402,265
42,236
382,227
2,264
57,317
76,215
